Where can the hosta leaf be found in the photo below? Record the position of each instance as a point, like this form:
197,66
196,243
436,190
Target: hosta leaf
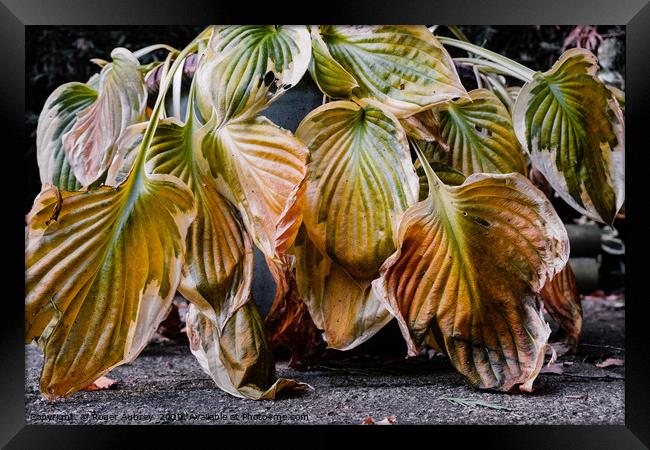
573,129
403,67
345,309
237,357
214,270
58,116
360,180
514,92
121,101
290,325
478,132
562,301
247,67
445,173
101,269
468,263
330,76
260,168
423,126
619,96
225,327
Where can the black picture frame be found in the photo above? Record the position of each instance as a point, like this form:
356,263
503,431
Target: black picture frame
635,14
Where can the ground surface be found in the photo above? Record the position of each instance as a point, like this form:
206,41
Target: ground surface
165,385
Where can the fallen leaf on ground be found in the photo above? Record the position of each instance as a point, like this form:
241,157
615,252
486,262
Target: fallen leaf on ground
471,403
611,362
100,384
390,420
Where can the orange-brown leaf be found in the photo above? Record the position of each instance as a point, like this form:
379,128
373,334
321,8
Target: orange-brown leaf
469,260
562,301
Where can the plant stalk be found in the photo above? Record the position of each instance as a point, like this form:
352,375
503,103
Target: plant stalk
522,72
488,66
152,48
160,101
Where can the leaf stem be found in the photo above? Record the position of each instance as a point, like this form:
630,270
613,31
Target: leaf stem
500,90
152,48
491,67
522,72
459,34
432,178
160,101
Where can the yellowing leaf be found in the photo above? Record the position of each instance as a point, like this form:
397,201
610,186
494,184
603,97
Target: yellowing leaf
360,180
237,357
445,173
247,67
101,384
101,269
573,129
224,325
424,126
345,309
121,101
562,301
213,273
469,259
260,168
403,67
479,135
58,116
619,96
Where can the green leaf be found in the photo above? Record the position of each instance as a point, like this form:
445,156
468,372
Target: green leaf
247,67
330,76
468,264
573,129
121,101
360,180
479,134
57,118
403,67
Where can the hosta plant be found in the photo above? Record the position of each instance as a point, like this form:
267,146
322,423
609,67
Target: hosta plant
404,196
